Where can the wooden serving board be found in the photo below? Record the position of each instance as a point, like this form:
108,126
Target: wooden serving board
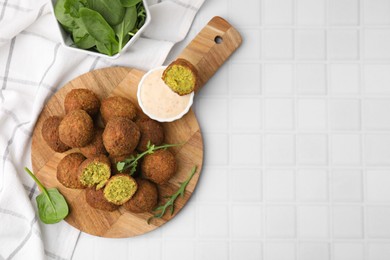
121,81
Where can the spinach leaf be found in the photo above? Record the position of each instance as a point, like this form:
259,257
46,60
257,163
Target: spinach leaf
72,7
96,26
82,39
130,3
104,48
67,21
52,206
107,48
111,10
128,23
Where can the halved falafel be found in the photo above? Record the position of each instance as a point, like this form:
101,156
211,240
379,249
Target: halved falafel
76,129
51,136
95,171
67,171
117,106
159,166
83,99
120,136
120,188
95,199
151,131
95,147
181,76
145,198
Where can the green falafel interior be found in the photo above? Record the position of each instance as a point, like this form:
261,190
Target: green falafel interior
181,77
120,189
96,173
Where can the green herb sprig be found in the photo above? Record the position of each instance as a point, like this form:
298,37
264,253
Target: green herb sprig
132,162
52,206
171,202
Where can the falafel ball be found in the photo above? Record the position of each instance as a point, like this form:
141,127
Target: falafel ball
67,171
145,198
120,136
51,136
95,199
83,99
151,131
95,147
159,166
76,129
117,106
95,171
120,188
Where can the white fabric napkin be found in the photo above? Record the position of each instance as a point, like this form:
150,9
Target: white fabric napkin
33,66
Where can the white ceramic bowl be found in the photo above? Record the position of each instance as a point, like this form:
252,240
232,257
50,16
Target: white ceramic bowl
68,43
152,116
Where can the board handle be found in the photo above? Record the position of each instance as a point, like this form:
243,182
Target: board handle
211,47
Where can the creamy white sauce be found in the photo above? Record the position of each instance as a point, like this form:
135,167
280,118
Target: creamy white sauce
159,100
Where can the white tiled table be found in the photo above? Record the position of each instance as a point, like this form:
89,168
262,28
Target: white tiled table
296,129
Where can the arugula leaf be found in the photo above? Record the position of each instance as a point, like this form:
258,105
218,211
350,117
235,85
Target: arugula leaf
111,10
52,206
132,162
171,202
128,23
141,14
130,3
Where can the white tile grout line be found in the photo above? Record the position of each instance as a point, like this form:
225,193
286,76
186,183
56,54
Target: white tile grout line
363,134
329,139
304,166
310,61
229,170
262,138
313,27
229,177
295,125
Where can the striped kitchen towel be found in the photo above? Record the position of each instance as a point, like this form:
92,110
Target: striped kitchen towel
33,66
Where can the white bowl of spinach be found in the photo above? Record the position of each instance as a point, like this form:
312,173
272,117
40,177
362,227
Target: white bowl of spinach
100,27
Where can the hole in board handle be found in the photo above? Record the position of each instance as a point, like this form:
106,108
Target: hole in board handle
218,39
